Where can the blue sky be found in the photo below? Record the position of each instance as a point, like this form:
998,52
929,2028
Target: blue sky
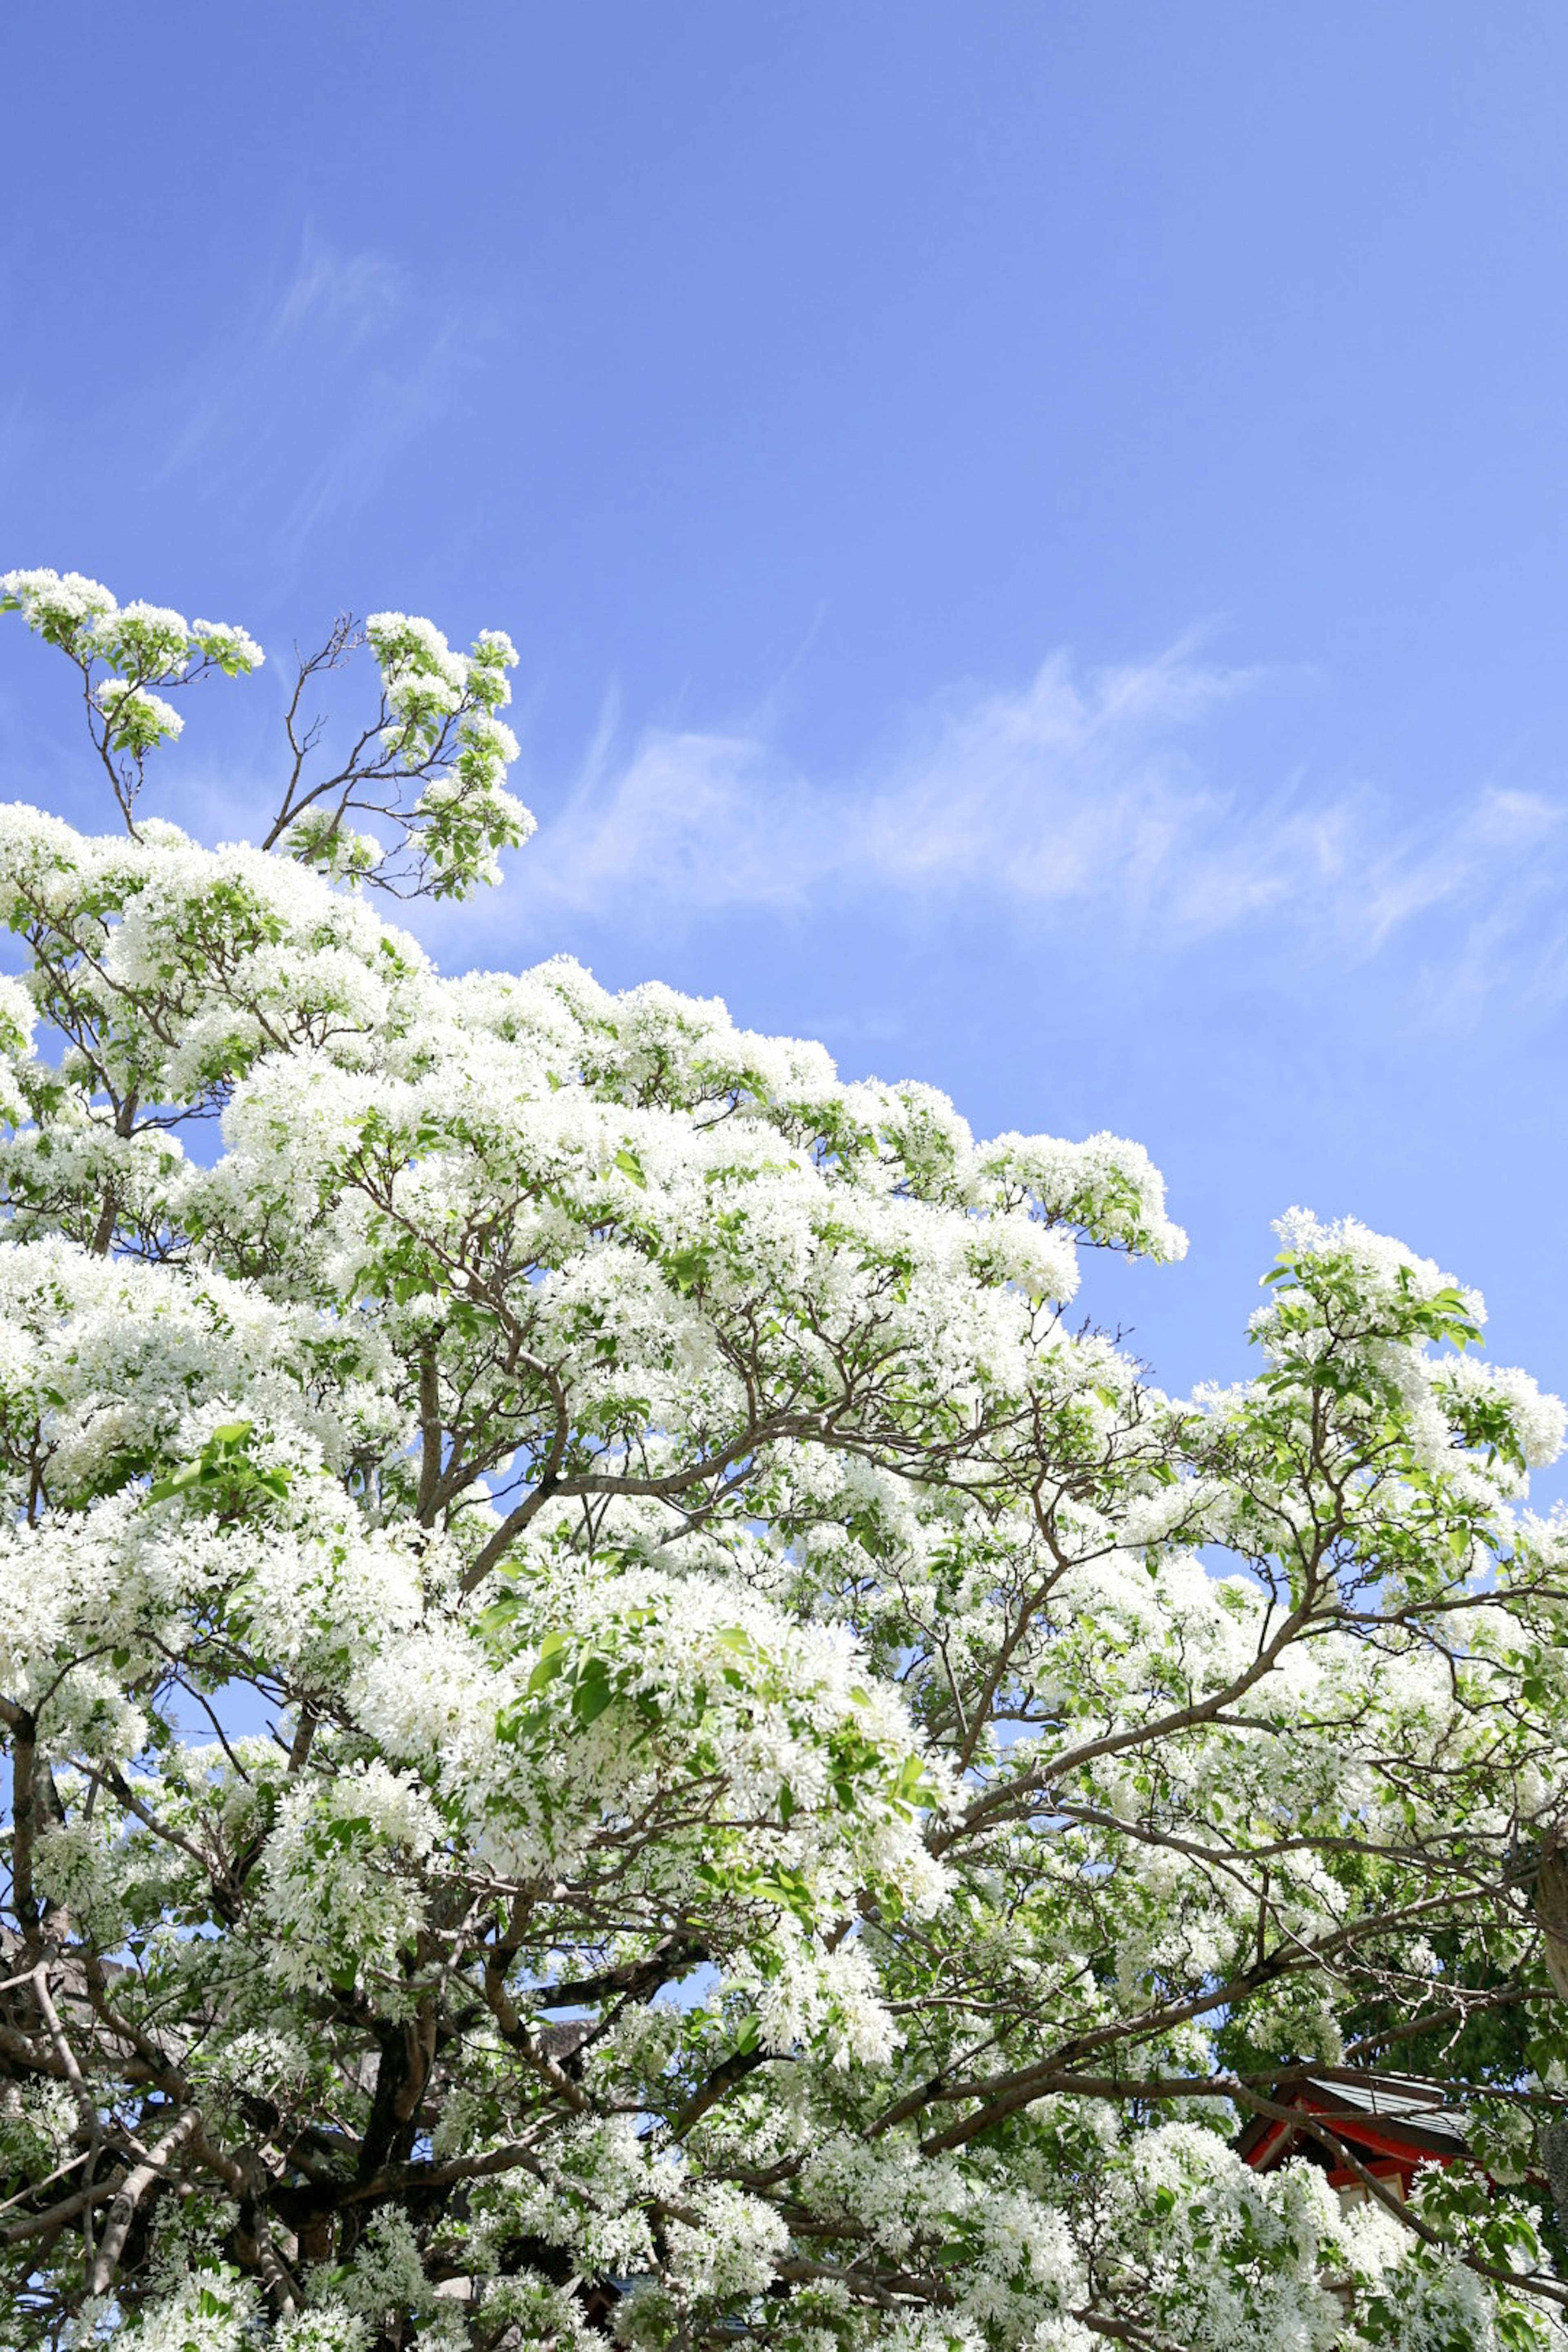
1035,532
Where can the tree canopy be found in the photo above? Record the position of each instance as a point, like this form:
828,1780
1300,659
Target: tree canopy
620,1728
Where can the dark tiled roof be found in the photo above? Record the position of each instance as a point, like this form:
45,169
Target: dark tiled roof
1397,2106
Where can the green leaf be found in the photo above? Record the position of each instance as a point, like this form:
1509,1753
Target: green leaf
593,1693
177,1482
551,1659
911,1787
689,1269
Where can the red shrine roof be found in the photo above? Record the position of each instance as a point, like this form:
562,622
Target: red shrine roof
1389,2123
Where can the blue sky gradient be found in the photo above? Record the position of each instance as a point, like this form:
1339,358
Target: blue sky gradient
1035,531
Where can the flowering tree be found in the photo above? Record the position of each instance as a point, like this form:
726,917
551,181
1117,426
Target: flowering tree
619,1729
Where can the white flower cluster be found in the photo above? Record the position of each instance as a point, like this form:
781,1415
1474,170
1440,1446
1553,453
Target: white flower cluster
139,642
137,720
442,709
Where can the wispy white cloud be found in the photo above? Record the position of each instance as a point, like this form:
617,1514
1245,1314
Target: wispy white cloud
1043,793
1112,792
304,396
